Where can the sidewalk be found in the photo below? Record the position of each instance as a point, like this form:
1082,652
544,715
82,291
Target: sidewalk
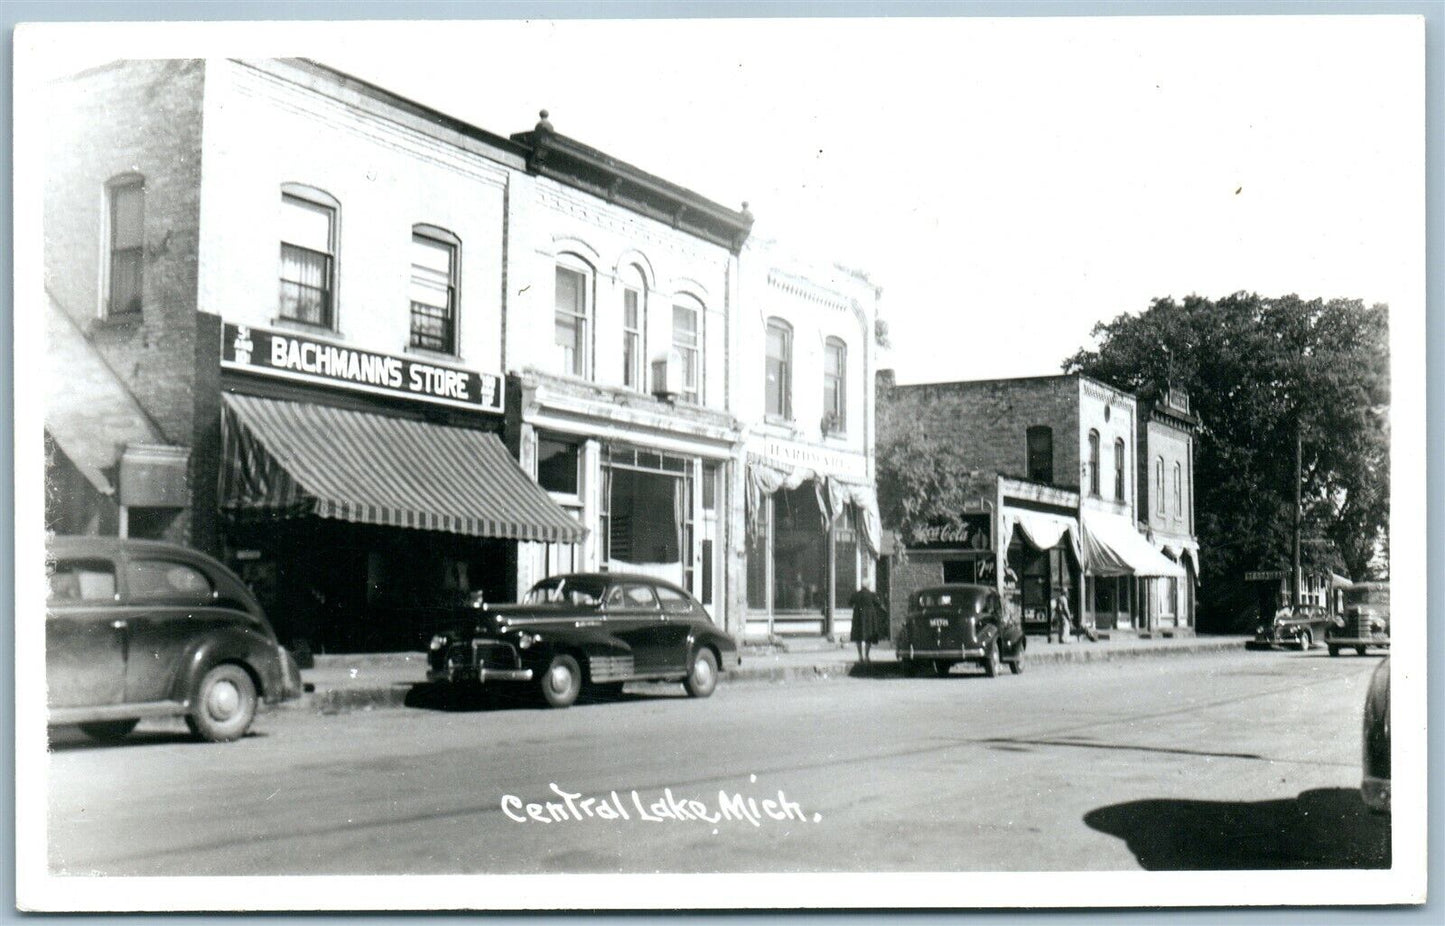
383,680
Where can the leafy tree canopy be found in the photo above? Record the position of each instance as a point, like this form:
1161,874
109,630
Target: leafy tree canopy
1256,369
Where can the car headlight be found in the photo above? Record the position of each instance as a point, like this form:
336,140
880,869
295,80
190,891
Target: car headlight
1260,629
525,640
1376,624
439,641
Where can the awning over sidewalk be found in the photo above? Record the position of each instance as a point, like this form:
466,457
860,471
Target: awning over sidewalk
286,459
1112,547
834,495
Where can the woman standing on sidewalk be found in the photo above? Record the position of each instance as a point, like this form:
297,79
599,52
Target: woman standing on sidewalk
870,621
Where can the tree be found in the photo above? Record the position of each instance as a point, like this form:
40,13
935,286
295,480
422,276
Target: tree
1256,370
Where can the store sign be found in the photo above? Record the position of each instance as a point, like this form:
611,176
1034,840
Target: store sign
297,357
1266,575
790,455
971,533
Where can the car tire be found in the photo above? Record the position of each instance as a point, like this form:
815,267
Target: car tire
224,706
561,682
990,660
941,667
1017,666
701,678
108,731
1361,650
1334,650
1305,641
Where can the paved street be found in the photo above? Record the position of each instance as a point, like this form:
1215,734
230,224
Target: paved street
1241,760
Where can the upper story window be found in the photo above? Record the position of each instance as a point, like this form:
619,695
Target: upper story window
572,317
1119,469
779,384
1041,453
634,330
125,251
1093,462
308,255
1178,490
687,341
835,389
434,289
1159,484
558,465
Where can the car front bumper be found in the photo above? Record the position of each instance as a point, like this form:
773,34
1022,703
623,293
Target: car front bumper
961,652
457,674
1378,642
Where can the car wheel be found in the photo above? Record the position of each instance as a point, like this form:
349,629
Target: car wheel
702,675
1017,666
1360,650
990,660
225,704
942,667
562,682
108,731
1334,650
1305,641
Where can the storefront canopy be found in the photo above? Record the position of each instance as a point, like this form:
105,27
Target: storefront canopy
1112,547
287,459
834,495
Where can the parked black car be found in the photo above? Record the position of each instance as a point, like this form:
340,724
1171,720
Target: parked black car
1375,781
138,628
949,624
1299,627
1366,621
597,629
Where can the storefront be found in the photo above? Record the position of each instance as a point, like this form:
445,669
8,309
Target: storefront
363,495
1128,583
813,536
1042,560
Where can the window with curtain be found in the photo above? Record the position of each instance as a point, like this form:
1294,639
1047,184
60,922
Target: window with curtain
1041,453
308,257
687,341
778,388
1159,484
571,321
1093,462
835,377
126,250
633,374
1119,469
434,260
1178,491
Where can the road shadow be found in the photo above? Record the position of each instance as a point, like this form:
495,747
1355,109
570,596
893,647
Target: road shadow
73,740
1326,828
894,670
470,699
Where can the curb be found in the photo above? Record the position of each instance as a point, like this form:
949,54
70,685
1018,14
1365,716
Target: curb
344,699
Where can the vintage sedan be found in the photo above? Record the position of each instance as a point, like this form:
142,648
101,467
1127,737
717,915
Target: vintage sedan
585,629
138,629
949,624
1296,627
1366,621
1375,780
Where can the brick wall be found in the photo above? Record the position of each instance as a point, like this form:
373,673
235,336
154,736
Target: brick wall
905,578
134,117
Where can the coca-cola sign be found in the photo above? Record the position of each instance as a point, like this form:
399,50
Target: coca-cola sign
970,532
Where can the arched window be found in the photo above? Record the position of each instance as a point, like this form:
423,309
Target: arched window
1178,491
687,340
1093,462
435,289
1159,484
572,316
1119,469
634,328
835,388
125,245
779,384
1041,453
309,233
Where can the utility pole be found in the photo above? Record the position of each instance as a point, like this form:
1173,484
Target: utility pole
1296,577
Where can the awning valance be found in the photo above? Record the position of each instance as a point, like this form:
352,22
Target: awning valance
1042,530
834,496
1112,547
287,459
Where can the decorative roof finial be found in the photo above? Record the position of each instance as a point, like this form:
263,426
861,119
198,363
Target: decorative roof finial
542,124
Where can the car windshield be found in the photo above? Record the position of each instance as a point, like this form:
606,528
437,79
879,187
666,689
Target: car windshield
1368,596
968,600
566,591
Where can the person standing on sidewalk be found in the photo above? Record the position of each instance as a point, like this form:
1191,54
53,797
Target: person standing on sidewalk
870,621
1063,620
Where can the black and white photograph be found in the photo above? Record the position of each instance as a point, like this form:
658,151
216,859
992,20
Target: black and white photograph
719,463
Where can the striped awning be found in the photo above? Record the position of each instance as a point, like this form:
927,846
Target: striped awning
287,459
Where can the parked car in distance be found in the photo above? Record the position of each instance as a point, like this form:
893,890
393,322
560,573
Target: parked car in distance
1375,781
139,628
1299,626
1366,621
585,629
949,624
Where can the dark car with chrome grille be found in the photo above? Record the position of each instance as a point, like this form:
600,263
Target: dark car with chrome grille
1298,627
585,630
950,624
1365,623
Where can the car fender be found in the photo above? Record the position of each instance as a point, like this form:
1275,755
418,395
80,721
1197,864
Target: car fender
722,645
237,644
593,648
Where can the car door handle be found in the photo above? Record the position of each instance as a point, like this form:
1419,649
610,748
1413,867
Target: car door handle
120,625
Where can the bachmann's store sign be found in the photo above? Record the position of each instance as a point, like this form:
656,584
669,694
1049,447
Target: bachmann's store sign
296,357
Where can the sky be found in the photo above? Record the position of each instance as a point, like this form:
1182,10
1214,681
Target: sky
1008,183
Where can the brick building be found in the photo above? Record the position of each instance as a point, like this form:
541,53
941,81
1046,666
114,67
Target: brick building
382,361
1166,493
1051,463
